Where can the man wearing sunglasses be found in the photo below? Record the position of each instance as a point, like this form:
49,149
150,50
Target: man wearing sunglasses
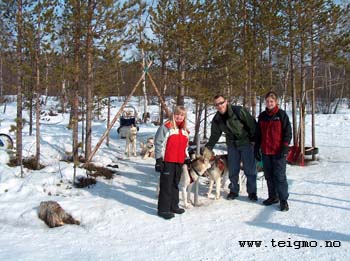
239,127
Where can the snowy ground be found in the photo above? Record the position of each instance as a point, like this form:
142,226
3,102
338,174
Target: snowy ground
119,221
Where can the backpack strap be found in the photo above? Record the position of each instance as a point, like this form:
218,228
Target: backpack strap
237,110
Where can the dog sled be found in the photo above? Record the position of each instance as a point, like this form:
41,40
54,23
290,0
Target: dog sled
6,142
296,157
126,120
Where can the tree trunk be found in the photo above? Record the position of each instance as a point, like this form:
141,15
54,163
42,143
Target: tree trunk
46,79
181,90
302,96
144,90
245,54
89,89
292,81
37,96
341,94
76,73
313,85
164,72
1,78
19,119
329,88
205,122
108,118
31,101
199,111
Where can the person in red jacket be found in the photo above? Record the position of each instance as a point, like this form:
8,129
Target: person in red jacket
273,136
171,142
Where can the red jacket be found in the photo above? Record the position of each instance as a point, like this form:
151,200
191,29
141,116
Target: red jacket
171,144
274,131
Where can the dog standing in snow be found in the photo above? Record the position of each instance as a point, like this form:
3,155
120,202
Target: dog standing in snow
131,141
190,174
147,149
218,174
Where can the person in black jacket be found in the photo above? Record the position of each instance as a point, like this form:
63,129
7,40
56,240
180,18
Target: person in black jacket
273,136
239,126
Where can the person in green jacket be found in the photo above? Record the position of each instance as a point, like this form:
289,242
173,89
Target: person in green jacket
239,127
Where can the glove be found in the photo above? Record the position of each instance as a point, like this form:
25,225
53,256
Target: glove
159,167
257,153
187,161
284,151
207,153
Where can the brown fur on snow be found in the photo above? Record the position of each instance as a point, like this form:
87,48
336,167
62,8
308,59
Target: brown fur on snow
54,215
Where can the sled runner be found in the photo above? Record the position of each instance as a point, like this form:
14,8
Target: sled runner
5,141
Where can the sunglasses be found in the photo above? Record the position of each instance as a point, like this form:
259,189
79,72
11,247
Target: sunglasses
219,103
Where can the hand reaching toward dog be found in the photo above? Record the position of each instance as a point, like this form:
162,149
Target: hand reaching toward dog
207,153
187,161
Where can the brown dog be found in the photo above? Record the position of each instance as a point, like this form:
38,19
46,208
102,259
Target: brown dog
54,215
147,149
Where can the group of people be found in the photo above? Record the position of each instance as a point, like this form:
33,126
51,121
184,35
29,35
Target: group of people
247,141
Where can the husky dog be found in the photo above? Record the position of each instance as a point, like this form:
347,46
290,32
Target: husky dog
147,149
190,174
217,173
54,215
131,141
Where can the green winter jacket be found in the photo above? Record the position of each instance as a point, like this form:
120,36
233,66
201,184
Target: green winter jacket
239,131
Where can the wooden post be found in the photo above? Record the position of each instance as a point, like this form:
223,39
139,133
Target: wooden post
115,118
93,152
159,95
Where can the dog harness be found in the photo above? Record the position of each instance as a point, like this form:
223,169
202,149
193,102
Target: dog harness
189,168
219,163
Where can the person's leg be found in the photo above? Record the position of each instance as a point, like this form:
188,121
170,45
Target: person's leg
165,191
249,167
234,160
268,173
280,177
175,186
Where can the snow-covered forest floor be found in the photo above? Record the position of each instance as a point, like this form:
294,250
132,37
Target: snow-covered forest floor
118,216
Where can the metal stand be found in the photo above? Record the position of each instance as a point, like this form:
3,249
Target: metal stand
196,188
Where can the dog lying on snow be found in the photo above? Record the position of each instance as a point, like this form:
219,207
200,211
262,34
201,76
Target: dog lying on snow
190,174
147,149
131,141
54,215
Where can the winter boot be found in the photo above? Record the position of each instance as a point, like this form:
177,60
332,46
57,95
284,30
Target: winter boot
178,210
270,201
232,195
166,215
284,205
253,197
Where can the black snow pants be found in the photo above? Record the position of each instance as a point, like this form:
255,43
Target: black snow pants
169,187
